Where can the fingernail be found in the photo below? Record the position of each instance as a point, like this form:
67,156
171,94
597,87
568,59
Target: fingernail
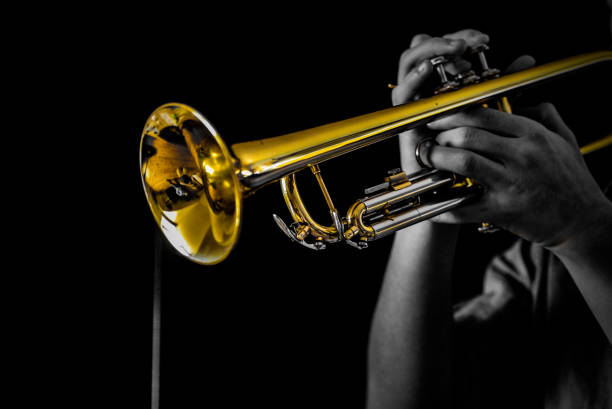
433,124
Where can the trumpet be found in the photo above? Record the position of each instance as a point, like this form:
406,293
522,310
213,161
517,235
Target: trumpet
195,183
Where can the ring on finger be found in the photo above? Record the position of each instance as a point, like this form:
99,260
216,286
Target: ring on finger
428,142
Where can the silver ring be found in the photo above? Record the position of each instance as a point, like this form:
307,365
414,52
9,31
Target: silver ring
417,151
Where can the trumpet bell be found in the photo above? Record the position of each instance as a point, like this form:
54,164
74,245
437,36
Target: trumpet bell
190,183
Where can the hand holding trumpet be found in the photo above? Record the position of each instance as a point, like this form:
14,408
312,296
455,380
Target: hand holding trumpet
523,161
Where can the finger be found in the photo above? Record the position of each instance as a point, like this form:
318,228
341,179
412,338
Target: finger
464,162
457,65
493,147
408,87
493,120
418,39
407,143
429,48
472,39
520,64
470,36
547,114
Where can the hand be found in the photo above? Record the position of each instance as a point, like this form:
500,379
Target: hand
536,182
414,69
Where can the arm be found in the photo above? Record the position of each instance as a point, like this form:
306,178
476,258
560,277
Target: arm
587,255
409,351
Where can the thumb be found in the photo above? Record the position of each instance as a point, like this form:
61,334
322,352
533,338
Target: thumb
520,64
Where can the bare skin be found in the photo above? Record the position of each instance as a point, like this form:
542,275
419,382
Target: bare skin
537,186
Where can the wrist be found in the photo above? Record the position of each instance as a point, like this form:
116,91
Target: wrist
592,230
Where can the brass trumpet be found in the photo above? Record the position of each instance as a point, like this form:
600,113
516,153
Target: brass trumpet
195,183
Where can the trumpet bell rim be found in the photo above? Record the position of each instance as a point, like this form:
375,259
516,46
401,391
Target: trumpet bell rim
190,183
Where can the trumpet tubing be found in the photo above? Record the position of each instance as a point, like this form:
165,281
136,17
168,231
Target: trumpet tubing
195,183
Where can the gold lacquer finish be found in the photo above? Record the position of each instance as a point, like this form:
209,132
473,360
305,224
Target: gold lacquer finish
190,183
194,183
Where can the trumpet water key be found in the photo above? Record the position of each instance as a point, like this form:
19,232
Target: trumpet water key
195,183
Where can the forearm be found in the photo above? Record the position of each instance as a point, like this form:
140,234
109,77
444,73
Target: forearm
588,258
409,352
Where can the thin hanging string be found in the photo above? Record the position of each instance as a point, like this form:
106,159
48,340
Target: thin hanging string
155,361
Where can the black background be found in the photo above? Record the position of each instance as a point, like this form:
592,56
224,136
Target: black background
276,324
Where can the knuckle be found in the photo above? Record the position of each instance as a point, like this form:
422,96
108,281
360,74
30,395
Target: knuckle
464,136
439,42
539,133
522,148
546,107
444,138
479,37
460,118
531,153
472,36
465,119
471,33
534,138
524,151
418,39
530,161
404,55
533,130
466,163
487,116
547,110
481,117
394,97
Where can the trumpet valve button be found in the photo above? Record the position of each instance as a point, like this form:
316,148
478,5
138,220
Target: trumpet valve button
449,86
446,84
467,78
487,72
490,73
